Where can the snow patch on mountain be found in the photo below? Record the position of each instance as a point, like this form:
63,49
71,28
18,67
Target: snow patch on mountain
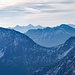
65,53
1,53
74,71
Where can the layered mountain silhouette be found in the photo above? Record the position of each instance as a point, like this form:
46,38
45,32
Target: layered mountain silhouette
24,29
19,55
66,64
49,37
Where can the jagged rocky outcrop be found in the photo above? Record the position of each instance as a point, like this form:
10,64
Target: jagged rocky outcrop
66,64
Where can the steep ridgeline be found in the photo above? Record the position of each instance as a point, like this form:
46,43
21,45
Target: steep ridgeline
49,37
19,55
24,29
72,25
66,64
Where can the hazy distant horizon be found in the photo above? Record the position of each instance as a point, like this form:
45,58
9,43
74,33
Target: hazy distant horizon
42,12
8,26
34,25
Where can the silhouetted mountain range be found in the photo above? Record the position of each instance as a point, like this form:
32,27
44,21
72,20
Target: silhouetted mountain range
20,55
24,29
49,37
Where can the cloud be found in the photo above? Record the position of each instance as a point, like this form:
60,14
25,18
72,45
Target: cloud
4,3
36,8
58,11
18,10
45,12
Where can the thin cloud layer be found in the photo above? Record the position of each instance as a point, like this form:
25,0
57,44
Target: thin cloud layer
44,12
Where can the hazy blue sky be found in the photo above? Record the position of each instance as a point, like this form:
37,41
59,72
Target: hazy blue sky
40,12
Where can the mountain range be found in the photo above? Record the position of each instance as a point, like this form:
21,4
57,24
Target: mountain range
24,29
20,55
66,65
49,37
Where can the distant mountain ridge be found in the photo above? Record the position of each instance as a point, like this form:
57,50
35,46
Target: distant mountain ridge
49,37
24,29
